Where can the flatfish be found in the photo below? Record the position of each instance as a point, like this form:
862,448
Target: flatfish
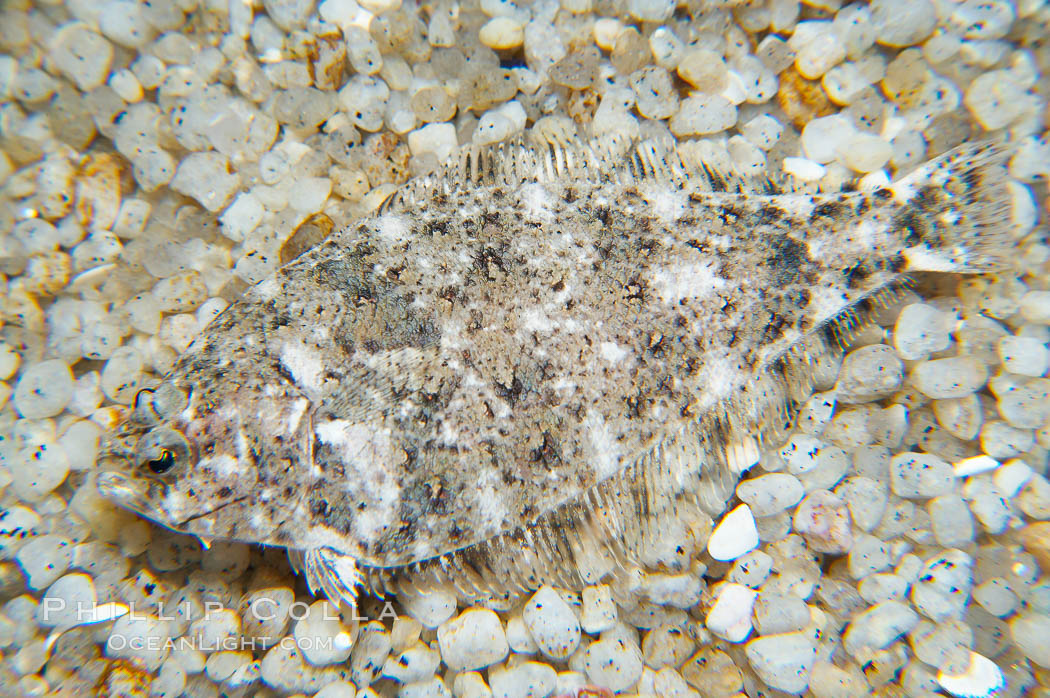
528,367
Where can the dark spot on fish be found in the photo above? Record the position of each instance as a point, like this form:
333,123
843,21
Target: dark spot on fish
828,209
911,225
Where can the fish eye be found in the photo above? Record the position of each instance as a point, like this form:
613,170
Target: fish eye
163,464
162,451
155,405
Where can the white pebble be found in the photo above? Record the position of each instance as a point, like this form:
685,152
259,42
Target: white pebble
777,613
751,569
763,131
598,611
783,661
825,137
877,627
473,640
122,375
613,662
499,123
650,10
1011,477
126,85
1030,631
362,50
321,635
369,652
867,556
703,114
666,47
82,55
951,520
17,525
68,602
439,139
869,373
730,615
953,377
982,19
1035,307
242,216
920,475
44,389
770,494
502,33
523,680
308,194
804,169
417,663
996,597
962,417
819,55
996,100
902,22
38,470
80,443
141,638
431,607
865,153
10,360
553,623
982,677
44,559
1002,440
974,465
125,23
942,590
735,535
207,178
1025,356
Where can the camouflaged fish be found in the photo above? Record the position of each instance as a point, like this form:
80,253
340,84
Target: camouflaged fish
525,368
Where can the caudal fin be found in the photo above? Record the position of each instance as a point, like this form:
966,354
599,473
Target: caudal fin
957,211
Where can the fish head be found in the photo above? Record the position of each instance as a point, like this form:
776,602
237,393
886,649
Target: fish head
191,458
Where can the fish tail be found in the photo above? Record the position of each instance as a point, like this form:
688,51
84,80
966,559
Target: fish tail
955,211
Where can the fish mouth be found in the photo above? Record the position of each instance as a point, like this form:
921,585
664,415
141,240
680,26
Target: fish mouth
130,493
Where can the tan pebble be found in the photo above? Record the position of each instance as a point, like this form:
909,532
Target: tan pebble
905,79
124,678
802,100
328,67
54,184
21,308
310,233
630,51
352,185
714,672
47,273
704,69
181,293
1035,538
109,417
98,191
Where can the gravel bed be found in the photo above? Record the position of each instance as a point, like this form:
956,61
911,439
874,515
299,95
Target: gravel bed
156,159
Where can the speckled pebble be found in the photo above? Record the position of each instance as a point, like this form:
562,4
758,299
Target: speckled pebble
920,475
553,623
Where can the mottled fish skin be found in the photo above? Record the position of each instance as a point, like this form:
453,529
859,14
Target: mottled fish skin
486,350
